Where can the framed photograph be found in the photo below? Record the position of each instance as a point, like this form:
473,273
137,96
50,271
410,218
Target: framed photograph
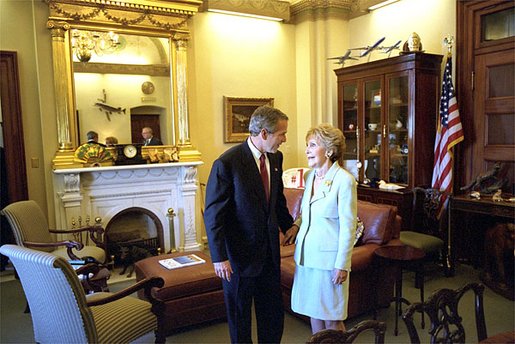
237,116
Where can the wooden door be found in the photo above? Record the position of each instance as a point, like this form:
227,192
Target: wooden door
494,106
13,176
485,88
12,131
139,122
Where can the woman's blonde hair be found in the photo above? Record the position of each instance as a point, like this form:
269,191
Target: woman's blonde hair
330,137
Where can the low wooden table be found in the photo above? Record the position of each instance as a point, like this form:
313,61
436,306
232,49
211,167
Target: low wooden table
404,257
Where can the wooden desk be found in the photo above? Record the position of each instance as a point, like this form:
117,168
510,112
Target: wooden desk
468,223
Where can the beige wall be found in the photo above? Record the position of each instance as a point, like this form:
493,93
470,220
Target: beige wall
432,20
317,101
238,57
231,56
23,29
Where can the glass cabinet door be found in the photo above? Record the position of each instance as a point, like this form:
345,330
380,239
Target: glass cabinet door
398,96
350,127
373,129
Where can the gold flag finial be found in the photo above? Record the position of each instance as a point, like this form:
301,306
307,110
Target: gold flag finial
448,41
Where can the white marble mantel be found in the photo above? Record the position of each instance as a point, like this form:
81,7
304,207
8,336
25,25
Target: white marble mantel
90,192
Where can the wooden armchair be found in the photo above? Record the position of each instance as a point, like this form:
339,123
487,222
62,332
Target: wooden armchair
446,322
61,313
428,231
30,229
344,337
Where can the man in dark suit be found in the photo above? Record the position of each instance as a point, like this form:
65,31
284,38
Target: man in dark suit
148,137
243,213
92,137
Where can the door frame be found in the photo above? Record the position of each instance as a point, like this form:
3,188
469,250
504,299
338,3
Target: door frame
12,128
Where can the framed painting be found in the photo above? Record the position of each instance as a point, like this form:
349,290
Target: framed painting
237,112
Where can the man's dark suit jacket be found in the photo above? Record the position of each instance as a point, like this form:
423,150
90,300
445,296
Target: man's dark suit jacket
241,226
154,141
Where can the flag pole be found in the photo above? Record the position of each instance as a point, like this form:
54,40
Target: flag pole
448,41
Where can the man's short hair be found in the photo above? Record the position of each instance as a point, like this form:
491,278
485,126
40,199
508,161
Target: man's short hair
91,135
265,117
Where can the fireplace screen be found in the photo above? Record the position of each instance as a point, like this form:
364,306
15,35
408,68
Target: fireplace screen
134,227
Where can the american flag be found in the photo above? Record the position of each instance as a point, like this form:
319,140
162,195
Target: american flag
448,134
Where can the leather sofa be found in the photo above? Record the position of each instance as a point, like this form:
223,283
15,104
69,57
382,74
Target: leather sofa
369,286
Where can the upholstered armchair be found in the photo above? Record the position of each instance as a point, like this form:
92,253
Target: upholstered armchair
61,313
30,229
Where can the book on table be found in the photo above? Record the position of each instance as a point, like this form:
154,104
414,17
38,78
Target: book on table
181,261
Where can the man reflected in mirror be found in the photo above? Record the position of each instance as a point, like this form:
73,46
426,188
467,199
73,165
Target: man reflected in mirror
92,152
149,139
92,137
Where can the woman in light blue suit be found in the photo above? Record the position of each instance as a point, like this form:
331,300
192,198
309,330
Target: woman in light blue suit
326,235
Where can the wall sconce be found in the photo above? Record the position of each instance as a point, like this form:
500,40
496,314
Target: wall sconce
276,10
84,43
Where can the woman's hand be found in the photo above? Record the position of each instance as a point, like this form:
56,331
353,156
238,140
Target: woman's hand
339,276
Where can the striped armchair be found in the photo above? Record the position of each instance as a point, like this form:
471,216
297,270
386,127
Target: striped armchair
61,313
30,229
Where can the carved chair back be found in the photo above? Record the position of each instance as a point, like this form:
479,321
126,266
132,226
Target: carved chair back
343,337
446,321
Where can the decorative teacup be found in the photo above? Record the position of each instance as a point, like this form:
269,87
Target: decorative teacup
372,126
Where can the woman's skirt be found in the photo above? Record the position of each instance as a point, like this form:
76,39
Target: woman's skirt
316,296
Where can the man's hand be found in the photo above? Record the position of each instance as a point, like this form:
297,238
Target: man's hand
223,270
290,235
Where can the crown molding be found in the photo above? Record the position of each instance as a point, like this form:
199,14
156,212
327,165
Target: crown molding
320,9
279,9
164,15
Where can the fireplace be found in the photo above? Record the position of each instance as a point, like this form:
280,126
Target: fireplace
163,198
133,227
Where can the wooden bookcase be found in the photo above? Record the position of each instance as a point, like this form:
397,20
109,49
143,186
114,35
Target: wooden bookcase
388,110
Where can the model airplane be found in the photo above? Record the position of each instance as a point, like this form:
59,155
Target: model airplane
108,109
369,48
389,49
343,58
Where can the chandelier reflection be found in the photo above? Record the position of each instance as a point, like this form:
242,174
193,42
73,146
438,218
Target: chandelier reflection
84,43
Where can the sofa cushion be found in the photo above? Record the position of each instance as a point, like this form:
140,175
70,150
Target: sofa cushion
378,220
286,251
287,271
293,200
362,257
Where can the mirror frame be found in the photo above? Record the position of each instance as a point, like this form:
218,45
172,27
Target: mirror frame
141,17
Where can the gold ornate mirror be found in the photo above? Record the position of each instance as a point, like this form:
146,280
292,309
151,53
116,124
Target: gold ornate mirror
101,80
